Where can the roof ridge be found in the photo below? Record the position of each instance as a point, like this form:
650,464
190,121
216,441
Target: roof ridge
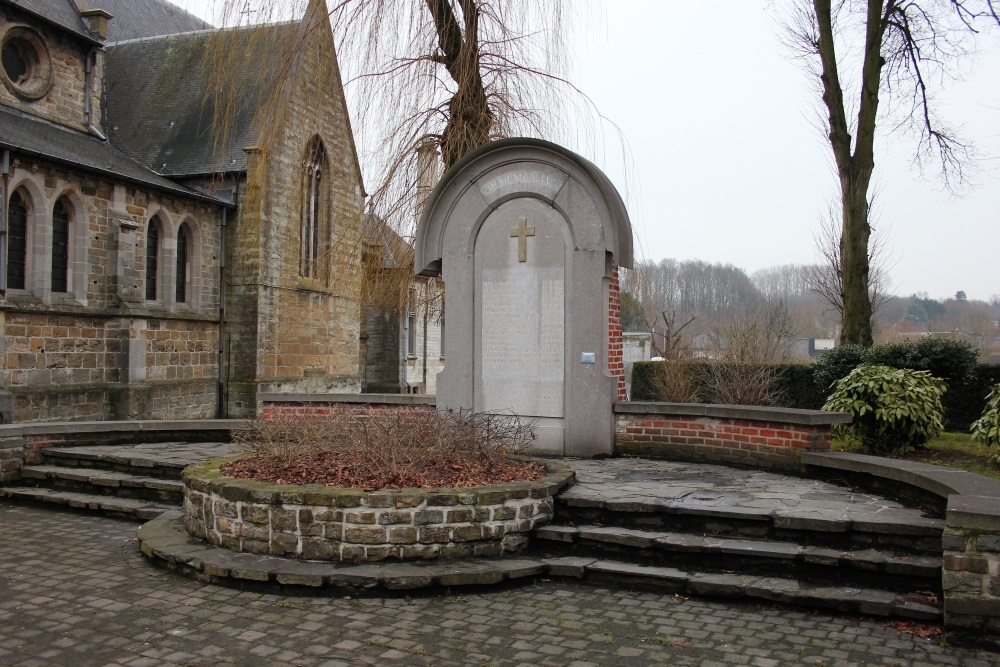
190,33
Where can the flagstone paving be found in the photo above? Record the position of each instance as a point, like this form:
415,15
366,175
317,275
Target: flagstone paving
76,591
663,485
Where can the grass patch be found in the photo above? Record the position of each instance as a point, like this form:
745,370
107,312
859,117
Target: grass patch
951,449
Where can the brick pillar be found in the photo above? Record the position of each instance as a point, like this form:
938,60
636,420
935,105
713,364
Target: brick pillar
616,364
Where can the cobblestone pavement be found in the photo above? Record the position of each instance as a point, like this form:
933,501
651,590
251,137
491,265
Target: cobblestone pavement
693,486
75,591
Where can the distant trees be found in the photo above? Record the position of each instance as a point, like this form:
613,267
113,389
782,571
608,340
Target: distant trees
864,53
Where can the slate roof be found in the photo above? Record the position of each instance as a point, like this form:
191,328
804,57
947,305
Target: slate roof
157,107
26,135
135,19
63,13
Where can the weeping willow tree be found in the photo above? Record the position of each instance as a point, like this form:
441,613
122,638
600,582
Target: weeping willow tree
429,81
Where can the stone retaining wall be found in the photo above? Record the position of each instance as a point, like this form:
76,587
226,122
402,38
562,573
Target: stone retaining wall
323,523
742,435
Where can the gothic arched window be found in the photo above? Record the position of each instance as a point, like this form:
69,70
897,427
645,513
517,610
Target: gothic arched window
314,223
183,264
152,258
17,241
60,246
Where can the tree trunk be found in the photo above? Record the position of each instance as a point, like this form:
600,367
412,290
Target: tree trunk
469,115
856,318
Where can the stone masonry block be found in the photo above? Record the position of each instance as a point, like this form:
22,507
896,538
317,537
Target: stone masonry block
285,520
504,513
989,543
361,517
464,515
395,518
963,563
424,517
403,535
961,583
225,509
409,500
954,542
432,534
468,533
365,535
256,515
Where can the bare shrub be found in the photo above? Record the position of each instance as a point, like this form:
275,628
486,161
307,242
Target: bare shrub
745,348
388,447
675,382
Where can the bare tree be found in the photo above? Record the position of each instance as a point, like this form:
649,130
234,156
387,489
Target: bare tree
826,279
902,48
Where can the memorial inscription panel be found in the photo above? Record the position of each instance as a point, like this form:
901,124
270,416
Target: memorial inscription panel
521,360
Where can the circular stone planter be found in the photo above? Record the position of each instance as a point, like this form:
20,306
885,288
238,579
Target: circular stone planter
314,522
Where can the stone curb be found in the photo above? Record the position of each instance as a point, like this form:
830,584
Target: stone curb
167,544
754,413
205,477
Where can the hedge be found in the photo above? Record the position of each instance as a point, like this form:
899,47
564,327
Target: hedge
800,386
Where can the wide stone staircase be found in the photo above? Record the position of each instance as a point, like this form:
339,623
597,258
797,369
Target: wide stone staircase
885,563
140,481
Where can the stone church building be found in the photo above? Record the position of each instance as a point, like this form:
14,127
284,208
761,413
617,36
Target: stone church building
157,263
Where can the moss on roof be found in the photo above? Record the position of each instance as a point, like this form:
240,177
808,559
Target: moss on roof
159,105
134,19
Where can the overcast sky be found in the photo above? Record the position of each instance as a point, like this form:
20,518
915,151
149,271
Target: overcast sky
727,163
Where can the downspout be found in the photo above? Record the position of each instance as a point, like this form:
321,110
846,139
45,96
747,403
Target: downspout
404,357
426,310
5,166
223,409
88,107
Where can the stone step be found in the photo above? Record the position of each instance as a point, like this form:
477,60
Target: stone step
105,482
903,530
120,458
165,541
868,566
143,510
858,600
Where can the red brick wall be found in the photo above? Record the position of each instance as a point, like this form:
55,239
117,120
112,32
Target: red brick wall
711,439
616,362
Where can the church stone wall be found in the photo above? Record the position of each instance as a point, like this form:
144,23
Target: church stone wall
64,103
292,333
101,351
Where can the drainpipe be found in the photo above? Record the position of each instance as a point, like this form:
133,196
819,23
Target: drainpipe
403,348
223,409
5,166
88,78
426,310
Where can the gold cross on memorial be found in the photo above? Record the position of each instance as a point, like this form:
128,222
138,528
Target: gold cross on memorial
522,232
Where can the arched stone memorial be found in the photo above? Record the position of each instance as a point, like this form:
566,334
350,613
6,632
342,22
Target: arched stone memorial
528,237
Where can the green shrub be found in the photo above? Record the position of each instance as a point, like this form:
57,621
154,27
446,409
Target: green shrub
964,403
986,429
895,409
953,361
837,363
